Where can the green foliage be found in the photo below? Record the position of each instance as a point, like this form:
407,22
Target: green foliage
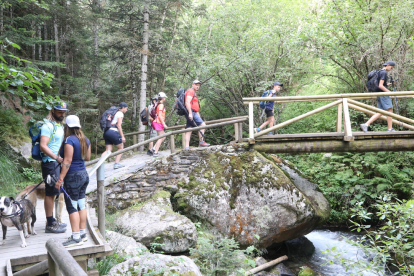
13,130
391,244
346,178
10,178
110,261
157,243
32,174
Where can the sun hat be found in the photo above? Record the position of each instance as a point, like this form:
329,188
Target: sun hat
162,95
73,121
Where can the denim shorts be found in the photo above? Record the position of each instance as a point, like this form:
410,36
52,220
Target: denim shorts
75,185
195,122
112,137
384,103
52,168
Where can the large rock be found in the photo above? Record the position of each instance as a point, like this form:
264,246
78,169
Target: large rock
155,219
156,264
123,244
245,195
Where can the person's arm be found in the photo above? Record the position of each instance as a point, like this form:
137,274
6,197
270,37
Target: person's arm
88,154
68,148
161,117
119,126
188,106
44,141
382,87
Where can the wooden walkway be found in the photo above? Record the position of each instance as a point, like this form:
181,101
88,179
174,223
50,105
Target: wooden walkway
14,258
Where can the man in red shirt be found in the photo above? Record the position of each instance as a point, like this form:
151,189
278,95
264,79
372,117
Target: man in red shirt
193,116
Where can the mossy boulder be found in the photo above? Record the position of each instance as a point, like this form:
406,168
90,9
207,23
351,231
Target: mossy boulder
246,195
154,221
156,264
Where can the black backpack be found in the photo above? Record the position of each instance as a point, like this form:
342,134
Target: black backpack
180,102
372,81
107,117
144,116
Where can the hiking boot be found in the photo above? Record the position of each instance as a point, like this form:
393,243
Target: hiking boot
203,144
84,238
55,228
150,152
364,127
392,130
155,154
118,166
62,224
71,242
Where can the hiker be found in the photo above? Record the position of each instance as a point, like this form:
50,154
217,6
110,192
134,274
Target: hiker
159,122
152,132
193,115
50,142
269,108
115,136
384,102
75,150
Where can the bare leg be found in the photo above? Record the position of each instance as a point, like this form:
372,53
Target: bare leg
264,124
49,202
118,157
159,141
389,119
373,118
151,145
75,221
271,121
82,218
107,148
200,137
187,139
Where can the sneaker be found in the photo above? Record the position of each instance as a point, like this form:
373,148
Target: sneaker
187,148
62,224
270,133
364,127
256,130
55,228
118,166
392,130
71,242
155,154
203,144
84,238
150,152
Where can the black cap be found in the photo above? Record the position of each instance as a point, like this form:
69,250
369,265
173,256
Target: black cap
277,83
390,62
121,105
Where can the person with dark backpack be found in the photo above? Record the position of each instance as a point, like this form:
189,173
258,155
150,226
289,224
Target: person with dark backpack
269,107
378,82
113,134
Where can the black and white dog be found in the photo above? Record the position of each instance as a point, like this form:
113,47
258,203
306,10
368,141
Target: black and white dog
16,214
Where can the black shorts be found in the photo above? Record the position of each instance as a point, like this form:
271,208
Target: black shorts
52,168
75,185
269,113
112,137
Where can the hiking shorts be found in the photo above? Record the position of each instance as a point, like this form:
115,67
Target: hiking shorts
195,122
157,126
112,137
269,113
384,103
153,133
75,185
51,168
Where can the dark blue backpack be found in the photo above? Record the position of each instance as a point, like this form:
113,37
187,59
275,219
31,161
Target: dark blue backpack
180,102
36,152
262,104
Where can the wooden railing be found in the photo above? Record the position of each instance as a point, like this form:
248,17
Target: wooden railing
343,101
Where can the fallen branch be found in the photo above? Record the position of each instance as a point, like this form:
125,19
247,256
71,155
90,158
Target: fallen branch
266,265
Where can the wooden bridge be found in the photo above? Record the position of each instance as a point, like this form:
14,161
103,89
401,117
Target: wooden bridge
344,139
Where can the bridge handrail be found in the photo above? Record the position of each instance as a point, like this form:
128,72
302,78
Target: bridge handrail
61,261
256,100
183,126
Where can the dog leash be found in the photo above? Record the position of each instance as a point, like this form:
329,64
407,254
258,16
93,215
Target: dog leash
37,186
61,187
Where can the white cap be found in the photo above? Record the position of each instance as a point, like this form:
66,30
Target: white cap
73,121
162,95
196,82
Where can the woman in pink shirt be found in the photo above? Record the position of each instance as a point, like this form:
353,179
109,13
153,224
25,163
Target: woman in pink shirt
159,123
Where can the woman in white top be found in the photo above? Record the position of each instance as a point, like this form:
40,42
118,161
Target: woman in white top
115,136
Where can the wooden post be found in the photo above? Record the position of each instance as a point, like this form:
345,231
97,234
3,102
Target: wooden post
240,132
347,122
135,141
53,268
236,132
183,140
251,123
60,260
339,119
100,177
172,144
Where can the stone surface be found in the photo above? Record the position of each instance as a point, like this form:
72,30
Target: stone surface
282,270
123,244
247,195
156,264
156,219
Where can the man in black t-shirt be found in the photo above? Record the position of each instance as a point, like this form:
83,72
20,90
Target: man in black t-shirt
385,102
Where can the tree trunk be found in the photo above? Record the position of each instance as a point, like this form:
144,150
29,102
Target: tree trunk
39,35
57,55
134,91
34,44
1,25
47,45
143,94
95,48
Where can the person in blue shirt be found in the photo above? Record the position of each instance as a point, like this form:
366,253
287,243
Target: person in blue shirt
269,109
76,149
50,141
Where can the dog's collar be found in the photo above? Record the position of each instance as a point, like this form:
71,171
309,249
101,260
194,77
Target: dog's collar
19,212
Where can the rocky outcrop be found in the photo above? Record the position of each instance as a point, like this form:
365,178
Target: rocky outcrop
124,245
156,264
154,221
